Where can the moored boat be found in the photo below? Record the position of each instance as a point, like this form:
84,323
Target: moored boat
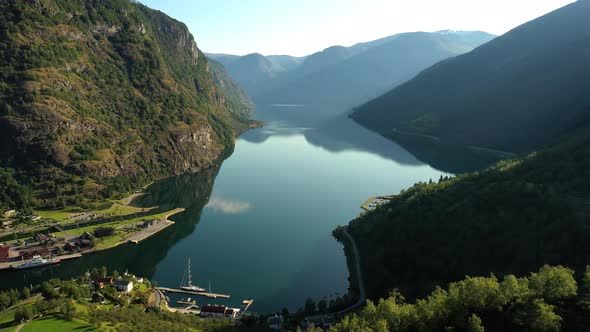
36,262
188,278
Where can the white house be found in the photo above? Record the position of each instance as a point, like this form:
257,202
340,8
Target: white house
124,286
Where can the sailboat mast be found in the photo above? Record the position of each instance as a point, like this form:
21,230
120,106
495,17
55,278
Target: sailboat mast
190,279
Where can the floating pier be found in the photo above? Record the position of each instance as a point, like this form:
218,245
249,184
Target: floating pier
182,291
247,304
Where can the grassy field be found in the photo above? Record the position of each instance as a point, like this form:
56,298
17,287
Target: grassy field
116,209
6,320
54,323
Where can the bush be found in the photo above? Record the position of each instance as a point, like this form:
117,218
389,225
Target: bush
23,314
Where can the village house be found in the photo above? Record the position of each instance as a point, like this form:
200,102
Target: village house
84,217
275,322
124,286
5,223
79,244
98,298
105,280
42,238
9,213
32,251
103,232
34,217
4,253
85,236
218,311
213,311
149,223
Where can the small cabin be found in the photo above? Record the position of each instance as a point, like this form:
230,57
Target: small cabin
103,232
98,298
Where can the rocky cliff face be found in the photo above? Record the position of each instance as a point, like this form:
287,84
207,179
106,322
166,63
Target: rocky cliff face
112,88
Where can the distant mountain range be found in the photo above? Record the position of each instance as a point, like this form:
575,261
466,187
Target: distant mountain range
514,93
346,76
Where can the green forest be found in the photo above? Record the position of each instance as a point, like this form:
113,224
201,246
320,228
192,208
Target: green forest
548,300
511,218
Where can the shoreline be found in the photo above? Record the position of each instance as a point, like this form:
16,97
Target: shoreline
138,237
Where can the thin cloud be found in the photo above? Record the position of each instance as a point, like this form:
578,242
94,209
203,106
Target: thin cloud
227,206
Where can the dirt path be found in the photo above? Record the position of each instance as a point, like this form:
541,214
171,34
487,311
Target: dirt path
127,200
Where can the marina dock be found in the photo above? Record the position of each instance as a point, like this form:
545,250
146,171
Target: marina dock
371,203
182,291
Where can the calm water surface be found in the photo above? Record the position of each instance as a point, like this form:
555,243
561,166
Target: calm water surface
259,226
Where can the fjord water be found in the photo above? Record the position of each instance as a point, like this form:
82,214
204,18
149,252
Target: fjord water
259,225
265,232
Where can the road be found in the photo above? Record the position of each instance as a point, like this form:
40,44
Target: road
359,278
359,272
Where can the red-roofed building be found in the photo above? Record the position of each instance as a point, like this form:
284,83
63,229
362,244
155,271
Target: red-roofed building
4,253
106,280
219,311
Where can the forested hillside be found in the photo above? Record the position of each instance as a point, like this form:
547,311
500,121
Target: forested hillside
100,97
515,93
511,218
548,300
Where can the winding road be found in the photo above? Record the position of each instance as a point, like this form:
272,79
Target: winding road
359,275
359,278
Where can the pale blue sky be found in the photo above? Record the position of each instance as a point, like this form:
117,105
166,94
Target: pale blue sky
301,27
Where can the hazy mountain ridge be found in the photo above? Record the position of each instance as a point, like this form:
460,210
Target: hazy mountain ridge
347,76
373,70
514,93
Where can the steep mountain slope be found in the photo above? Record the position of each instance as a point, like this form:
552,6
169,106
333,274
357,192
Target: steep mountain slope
97,97
511,218
513,93
373,68
238,102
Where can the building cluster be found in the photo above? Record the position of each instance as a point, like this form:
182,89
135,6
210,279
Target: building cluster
85,217
122,284
7,219
39,245
45,245
149,223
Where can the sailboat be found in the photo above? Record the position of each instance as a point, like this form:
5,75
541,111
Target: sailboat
189,282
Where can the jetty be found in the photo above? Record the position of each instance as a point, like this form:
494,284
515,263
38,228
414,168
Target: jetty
246,304
162,224
182,291
371,203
